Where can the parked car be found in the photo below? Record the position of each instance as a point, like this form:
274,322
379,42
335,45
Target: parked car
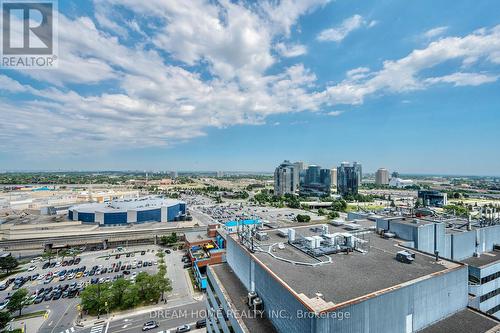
3,304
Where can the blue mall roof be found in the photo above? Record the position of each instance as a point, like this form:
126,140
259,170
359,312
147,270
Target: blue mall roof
241,222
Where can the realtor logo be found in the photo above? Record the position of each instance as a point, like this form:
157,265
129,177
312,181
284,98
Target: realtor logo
29,34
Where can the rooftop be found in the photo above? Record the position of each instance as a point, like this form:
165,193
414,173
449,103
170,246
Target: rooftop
485,259
120,205
465,321
374,271
236,292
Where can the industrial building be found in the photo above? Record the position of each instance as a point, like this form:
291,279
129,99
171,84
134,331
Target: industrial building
432,198
324,278
124,211
474,243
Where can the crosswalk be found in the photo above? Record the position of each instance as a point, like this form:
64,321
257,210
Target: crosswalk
97,328
69,330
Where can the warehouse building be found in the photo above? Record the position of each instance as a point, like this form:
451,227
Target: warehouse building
474,243
324,279
124,211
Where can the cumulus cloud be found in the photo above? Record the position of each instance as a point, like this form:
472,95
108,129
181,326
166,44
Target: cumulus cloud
202,64
338,33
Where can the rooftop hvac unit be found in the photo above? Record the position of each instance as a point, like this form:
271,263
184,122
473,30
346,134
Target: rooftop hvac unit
261,236
325,229
330,239
257,304
291,235
250,297
283,232
349,241
317,241
310,242
337,223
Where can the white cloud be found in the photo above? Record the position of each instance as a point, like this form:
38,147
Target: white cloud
463,79
291,50
337,34
221,77
335,113
435,32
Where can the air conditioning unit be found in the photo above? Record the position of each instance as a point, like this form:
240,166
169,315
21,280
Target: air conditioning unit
257,304
250,297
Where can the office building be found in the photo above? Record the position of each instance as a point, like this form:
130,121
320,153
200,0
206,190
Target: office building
382,177
125,211
324,279
333,176
359,172
347,179
432,198
286,178
316,182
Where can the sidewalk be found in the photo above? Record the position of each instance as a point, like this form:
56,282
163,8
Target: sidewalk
32,324
89,321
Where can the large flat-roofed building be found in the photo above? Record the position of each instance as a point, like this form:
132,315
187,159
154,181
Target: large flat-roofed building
474,243
327,279
123,211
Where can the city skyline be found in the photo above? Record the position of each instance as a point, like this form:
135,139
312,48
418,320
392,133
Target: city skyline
318,80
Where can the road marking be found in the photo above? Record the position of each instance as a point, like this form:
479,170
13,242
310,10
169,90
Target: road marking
97,328
107,327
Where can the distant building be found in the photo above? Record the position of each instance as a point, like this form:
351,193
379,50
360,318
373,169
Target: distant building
125,211
359,171
382,177
347,179
220,174
433,198
173,174
286,178
316,182
400,183
333,173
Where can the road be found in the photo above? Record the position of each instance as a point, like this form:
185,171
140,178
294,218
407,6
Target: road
167,319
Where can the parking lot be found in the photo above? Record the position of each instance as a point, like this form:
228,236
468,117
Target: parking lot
243,210
56,287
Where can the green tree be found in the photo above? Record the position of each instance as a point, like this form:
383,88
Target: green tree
303,218
333,215
17,299
94,298
118,289
4,319
7,264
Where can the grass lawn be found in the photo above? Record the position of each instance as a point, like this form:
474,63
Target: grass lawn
30,315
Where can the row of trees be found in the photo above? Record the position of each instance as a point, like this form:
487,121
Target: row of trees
169,240
123,294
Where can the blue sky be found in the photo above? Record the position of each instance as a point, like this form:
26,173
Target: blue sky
411,86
